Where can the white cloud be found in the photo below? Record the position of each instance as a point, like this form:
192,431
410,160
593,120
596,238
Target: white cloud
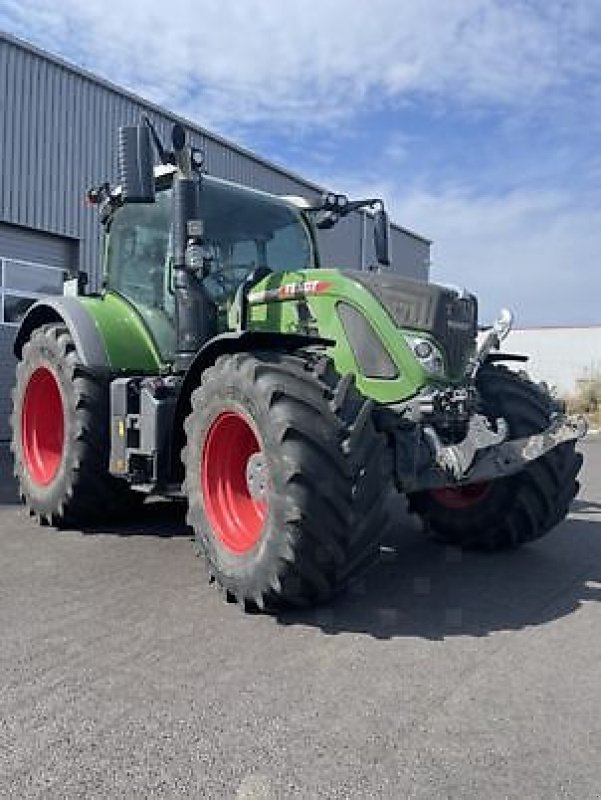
314,64
535,251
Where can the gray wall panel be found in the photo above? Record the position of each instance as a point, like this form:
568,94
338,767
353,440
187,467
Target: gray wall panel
27,245
341,246
410,256
7,371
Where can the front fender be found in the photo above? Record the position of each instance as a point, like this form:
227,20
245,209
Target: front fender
225,343
237,342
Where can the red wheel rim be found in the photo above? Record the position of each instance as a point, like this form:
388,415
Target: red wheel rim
463,496
42,427
236,516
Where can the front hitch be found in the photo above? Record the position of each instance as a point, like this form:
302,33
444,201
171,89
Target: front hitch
456,459
478,458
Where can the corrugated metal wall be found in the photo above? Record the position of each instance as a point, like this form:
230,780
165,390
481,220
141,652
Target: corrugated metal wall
27,245
22,244
57,137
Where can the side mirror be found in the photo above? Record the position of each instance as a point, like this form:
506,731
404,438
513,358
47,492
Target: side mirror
136,164
382,236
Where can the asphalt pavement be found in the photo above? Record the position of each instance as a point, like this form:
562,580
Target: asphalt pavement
443,675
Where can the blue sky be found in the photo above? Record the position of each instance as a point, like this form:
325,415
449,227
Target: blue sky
478,121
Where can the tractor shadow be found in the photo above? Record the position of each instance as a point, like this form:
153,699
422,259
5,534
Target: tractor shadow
423,589
156,517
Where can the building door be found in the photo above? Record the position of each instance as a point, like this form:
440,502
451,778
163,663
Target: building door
32,264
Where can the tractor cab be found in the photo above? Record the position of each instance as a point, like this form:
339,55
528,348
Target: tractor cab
244,230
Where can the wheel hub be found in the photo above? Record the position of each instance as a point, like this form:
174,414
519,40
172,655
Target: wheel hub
42,426
256,476
234,480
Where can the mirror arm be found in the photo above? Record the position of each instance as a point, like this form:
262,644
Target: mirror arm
356,205
164,156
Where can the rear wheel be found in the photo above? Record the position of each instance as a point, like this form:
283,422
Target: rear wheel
60,435
513,510
285,478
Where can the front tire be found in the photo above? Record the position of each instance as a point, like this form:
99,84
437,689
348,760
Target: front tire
523,507
285,478
60,434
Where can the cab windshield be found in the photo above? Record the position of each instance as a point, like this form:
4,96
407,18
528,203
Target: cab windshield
243,229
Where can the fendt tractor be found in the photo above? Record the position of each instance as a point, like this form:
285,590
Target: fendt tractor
219,364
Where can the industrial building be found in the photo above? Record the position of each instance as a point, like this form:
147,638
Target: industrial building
58,127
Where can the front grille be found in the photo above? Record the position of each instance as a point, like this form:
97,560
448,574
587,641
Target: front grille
450,317
459,337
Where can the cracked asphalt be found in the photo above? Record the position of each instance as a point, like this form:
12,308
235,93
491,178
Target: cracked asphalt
443,675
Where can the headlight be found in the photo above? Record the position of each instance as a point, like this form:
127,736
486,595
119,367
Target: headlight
428,354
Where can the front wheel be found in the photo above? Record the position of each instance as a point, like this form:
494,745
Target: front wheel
284,478
520,508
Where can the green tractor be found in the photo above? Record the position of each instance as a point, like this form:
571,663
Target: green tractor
283,402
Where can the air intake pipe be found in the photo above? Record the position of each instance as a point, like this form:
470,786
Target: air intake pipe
195,312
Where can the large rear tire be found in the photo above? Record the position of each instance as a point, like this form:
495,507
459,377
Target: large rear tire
285,478
60,434
521,508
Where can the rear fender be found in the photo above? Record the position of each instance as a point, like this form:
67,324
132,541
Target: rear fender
78,320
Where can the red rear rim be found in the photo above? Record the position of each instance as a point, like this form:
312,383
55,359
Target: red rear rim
234,498
42,427
463,496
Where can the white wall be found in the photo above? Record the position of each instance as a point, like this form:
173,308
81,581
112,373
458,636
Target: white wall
559,356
